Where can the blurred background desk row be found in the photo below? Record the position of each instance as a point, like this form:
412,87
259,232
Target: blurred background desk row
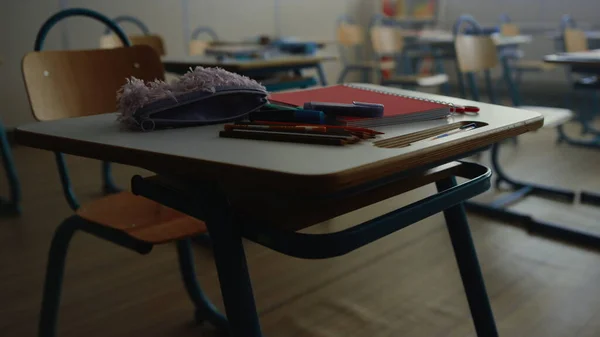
308,20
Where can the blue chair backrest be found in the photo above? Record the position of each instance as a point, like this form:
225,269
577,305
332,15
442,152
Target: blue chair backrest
204,30
54,19
130,19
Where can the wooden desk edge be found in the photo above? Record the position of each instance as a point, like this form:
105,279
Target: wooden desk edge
277,181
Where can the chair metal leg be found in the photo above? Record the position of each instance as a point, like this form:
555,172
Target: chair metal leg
468,265
56,264
343,75
205,310
232,269
14,203
65,180
108,182
548,191
321,75
460,81
54,276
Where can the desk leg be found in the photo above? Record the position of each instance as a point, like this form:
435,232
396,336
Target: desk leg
321,73
230,261
470,272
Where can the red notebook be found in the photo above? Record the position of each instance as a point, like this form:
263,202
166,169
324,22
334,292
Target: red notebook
397,108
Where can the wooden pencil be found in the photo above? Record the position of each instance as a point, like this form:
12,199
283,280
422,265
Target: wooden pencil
287,137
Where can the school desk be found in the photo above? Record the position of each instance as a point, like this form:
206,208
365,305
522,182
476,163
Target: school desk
267,191
251,67
587,62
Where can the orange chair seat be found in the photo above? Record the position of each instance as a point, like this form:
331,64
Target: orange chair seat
141,218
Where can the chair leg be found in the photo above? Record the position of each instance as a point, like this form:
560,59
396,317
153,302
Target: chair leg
468,265
65,180
542,190
205,310
343,75
56,264
14,203
108,181
54,276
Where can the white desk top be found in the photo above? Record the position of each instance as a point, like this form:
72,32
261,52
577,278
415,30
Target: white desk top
230,63
200,151
587,58
440,37
590,34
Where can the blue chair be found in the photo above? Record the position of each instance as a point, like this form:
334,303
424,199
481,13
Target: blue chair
198,46
351,40
387,42
478,53
111,217
515,60
109,40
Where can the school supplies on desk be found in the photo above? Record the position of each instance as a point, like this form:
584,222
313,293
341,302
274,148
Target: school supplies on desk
397,108
202,96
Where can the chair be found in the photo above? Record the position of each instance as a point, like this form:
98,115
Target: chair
351,39
388,42
112,41
197,46
520,65
64,84
478,53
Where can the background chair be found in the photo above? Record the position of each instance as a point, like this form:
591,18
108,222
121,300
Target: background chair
351,39
109,40
198,46
516,62
388,42
63,84
478,53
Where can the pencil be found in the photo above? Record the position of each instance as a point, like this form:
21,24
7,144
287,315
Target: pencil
347,128
283,137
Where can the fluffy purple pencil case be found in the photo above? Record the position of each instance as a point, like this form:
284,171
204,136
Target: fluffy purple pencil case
200,97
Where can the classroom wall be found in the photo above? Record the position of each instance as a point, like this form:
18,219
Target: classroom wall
234,20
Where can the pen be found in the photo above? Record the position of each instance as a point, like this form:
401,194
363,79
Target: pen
465,109
465,127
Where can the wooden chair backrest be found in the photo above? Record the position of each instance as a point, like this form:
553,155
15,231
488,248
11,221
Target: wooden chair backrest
575,40
74,83
154,41
475,53
386,40
509,29
350,35
198,47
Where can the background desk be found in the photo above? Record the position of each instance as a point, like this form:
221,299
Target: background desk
585,62
251,67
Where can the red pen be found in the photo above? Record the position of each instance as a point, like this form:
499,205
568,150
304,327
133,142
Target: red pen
464,109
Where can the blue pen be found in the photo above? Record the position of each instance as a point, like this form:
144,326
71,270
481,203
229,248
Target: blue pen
465,127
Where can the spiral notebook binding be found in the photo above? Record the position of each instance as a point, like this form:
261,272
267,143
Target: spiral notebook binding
384,92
